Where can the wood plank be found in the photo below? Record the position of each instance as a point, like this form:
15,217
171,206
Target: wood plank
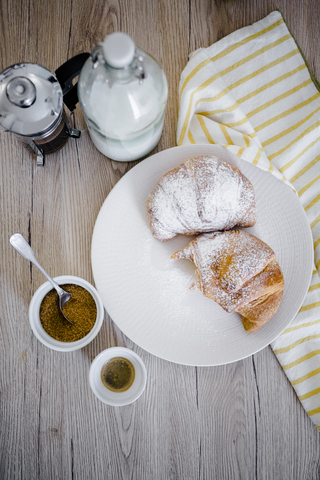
234,421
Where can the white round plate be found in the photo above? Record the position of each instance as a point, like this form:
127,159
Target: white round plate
147,294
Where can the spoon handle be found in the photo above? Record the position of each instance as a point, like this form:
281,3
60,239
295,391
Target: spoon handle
23,247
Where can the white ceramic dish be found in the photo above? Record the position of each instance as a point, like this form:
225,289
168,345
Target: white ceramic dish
42,335
147,295
114,398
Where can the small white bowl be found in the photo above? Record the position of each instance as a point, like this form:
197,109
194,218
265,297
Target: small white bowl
34,315
117,399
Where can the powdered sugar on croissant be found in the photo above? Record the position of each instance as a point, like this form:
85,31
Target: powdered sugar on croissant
239,272
203,194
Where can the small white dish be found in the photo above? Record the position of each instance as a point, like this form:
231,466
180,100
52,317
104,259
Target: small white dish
114,398
34,315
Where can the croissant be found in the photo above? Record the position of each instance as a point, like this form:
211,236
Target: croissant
204,194
239,272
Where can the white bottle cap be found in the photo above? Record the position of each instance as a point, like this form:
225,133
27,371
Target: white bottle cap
118,49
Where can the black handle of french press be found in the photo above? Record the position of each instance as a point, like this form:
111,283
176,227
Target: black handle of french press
66,73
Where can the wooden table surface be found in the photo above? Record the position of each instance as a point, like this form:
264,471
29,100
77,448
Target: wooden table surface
238,421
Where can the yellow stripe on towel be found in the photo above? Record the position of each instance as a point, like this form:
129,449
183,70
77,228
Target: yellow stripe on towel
303,134
306,376
279,97
301,360
227,51
288,112
310,394
302,325
235,84
296,343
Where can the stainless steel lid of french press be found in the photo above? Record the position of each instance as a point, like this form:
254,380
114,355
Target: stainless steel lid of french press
31,100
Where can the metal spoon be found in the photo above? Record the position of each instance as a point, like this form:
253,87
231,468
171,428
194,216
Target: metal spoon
23,247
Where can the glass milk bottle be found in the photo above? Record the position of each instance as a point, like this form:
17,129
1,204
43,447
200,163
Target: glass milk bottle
123,93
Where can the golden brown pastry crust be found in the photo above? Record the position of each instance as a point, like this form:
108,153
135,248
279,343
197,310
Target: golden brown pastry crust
239,272
204,194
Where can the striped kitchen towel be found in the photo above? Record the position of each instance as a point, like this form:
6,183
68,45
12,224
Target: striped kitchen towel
253,93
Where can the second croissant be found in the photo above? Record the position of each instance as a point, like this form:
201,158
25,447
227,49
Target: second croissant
240,272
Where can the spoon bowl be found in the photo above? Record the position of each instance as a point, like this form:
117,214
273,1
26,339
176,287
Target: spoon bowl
63,298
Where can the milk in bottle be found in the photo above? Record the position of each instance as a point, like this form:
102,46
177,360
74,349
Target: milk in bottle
123,92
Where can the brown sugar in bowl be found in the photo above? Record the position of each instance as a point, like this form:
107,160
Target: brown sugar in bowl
39,331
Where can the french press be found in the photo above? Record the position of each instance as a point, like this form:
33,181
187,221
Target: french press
32,104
